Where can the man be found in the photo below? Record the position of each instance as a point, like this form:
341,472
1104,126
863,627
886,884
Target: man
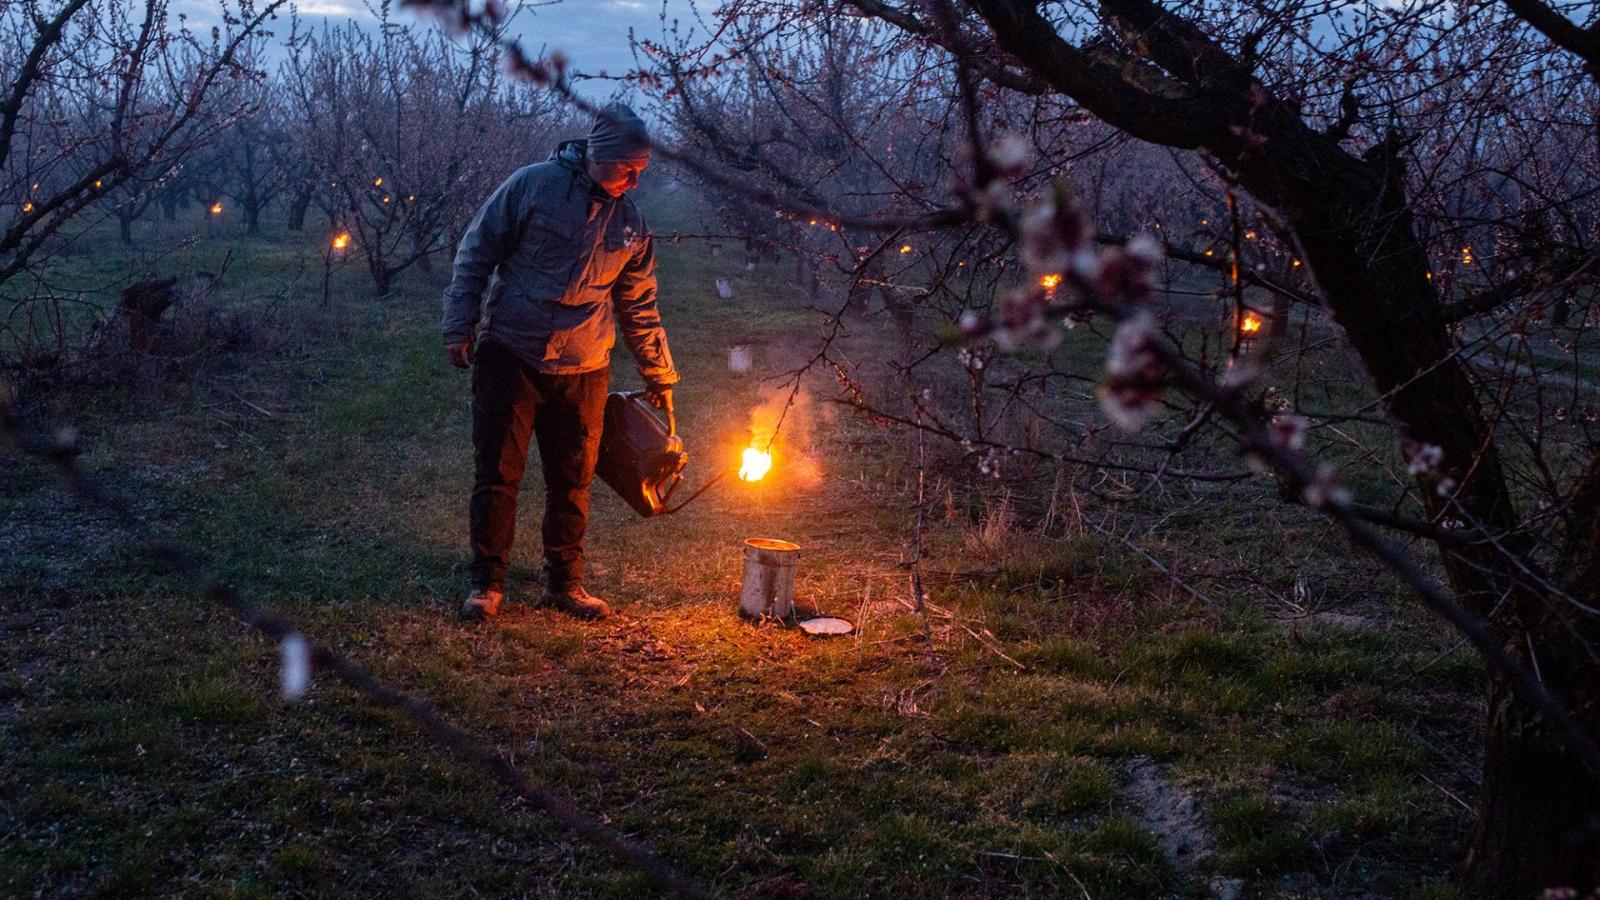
568,252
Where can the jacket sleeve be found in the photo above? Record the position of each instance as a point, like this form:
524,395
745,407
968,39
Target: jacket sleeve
640,321
487,243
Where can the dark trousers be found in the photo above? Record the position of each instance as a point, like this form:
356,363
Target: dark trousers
510,400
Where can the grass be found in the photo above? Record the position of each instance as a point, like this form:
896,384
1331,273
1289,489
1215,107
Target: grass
324,473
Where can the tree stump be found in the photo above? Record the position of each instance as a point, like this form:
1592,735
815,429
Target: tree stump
143,304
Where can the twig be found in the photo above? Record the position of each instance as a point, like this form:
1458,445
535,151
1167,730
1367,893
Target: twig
63,452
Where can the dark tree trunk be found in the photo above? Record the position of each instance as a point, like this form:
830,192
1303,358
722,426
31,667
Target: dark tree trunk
1539,808
1353,221
297,210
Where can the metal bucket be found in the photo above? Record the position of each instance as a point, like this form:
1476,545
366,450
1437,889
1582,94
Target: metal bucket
768,590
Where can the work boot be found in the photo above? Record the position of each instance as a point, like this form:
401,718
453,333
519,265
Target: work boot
482,603
576,601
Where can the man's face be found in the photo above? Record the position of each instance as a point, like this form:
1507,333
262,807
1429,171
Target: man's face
617,178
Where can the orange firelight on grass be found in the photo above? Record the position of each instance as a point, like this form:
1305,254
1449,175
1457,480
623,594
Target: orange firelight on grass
754,464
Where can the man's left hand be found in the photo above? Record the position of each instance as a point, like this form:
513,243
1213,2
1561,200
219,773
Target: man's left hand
661,398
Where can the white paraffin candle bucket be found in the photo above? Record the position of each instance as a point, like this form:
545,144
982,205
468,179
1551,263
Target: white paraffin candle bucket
768,579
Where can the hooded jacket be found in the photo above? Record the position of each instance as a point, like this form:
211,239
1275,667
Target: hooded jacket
561,260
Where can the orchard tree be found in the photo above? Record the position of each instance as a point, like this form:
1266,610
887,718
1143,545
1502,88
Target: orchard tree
407,130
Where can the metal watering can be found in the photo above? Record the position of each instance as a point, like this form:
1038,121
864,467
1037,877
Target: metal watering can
641,457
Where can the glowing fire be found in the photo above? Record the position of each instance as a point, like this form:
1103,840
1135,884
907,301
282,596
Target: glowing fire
341,241
1049,281
216,209
27,206
377,182
754,464
1250,324
905,248
1466,256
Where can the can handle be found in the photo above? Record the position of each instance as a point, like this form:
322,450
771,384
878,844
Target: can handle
672,418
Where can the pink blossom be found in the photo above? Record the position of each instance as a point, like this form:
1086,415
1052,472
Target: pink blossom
1011,154
1135,377
1325,490
1422,458
1288,431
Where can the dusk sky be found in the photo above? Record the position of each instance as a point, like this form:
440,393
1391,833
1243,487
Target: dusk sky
592,33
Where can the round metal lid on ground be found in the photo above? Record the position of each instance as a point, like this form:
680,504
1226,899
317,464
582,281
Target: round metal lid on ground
827,626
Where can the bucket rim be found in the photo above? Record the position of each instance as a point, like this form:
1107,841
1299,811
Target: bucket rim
777,544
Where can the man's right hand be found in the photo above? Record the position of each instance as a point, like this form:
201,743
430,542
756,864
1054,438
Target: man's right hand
459,353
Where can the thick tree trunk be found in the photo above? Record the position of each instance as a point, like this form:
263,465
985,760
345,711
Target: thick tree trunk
1355,226
298,209
1539,806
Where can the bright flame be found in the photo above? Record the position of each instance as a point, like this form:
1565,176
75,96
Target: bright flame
1466,256
27,206
377,182
1295,263
341,241
905,248
216,209
754,464
1050,281
97,184
1251,323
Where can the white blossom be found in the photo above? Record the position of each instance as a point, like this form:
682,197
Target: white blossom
1135,378
1325,490
1011,153
296,674
1423,458
1144,248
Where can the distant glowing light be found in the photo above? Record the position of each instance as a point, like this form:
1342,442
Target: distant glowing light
216,208
27,206
754,464
1250,324
377,182
1295,263
1466,255
905,248
341,241
1049,282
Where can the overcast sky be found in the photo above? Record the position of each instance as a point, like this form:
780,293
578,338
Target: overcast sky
592,33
